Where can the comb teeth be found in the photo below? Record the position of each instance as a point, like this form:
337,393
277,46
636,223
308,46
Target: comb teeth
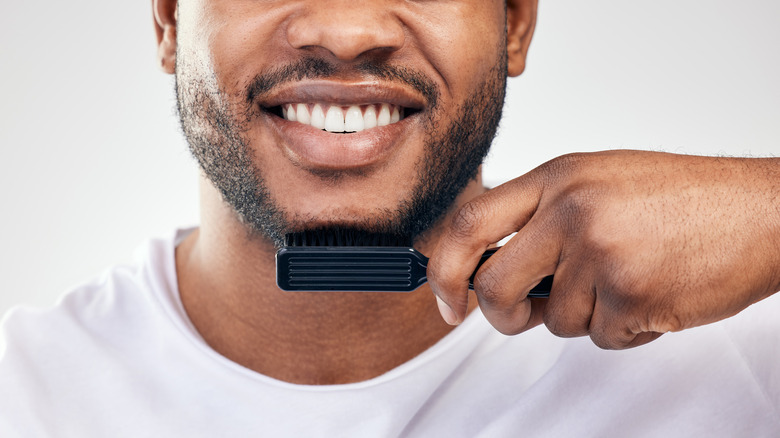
345,237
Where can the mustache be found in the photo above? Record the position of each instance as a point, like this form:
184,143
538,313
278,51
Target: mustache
318,68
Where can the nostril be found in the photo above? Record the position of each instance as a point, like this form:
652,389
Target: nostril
348,34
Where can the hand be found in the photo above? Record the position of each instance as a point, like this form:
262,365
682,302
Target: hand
640,243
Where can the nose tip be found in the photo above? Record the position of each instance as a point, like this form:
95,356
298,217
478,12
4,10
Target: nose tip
347,31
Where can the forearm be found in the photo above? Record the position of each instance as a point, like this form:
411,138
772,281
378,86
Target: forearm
742,196
770,169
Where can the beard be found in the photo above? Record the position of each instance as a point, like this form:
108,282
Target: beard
216,129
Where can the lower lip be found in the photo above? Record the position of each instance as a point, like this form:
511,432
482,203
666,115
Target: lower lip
314,148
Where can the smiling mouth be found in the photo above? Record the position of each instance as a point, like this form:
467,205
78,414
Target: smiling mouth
343,119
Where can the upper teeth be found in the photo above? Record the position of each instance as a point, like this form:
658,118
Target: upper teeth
334,118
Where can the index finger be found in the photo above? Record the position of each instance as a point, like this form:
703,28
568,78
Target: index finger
478,224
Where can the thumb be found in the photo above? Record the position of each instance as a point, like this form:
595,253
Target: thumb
476,225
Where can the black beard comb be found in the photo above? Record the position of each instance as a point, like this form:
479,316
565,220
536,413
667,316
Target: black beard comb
357,261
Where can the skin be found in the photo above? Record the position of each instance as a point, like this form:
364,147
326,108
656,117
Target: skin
640,243
224,270
582,217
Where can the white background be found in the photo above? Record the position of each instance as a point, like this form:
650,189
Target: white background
92,162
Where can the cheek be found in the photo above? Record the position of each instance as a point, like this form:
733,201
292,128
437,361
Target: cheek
461,40
239,39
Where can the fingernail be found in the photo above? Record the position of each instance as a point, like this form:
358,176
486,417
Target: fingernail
446,312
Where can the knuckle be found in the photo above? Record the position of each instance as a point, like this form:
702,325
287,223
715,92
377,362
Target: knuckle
569,310
564,325
432,271
560,163
508,329
599,334
499,305
488,285
616,336
662,321
613,296
509,321
564,165
438,280
556,325
467,220
576,211
673,323
601,340
623,294
579,200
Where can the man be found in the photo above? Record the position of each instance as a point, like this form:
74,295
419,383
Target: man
375,116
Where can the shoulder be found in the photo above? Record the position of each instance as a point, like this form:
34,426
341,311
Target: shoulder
54,353
119,295
87,310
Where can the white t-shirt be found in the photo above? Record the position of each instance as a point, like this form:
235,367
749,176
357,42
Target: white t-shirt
118,357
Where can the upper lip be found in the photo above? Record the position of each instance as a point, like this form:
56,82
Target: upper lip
344,94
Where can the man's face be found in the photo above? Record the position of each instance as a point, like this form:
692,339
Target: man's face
417,86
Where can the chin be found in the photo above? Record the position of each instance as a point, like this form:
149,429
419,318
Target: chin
345,217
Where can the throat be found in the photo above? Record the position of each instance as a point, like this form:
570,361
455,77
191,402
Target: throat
313,338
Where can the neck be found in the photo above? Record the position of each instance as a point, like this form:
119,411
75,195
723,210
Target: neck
227,285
